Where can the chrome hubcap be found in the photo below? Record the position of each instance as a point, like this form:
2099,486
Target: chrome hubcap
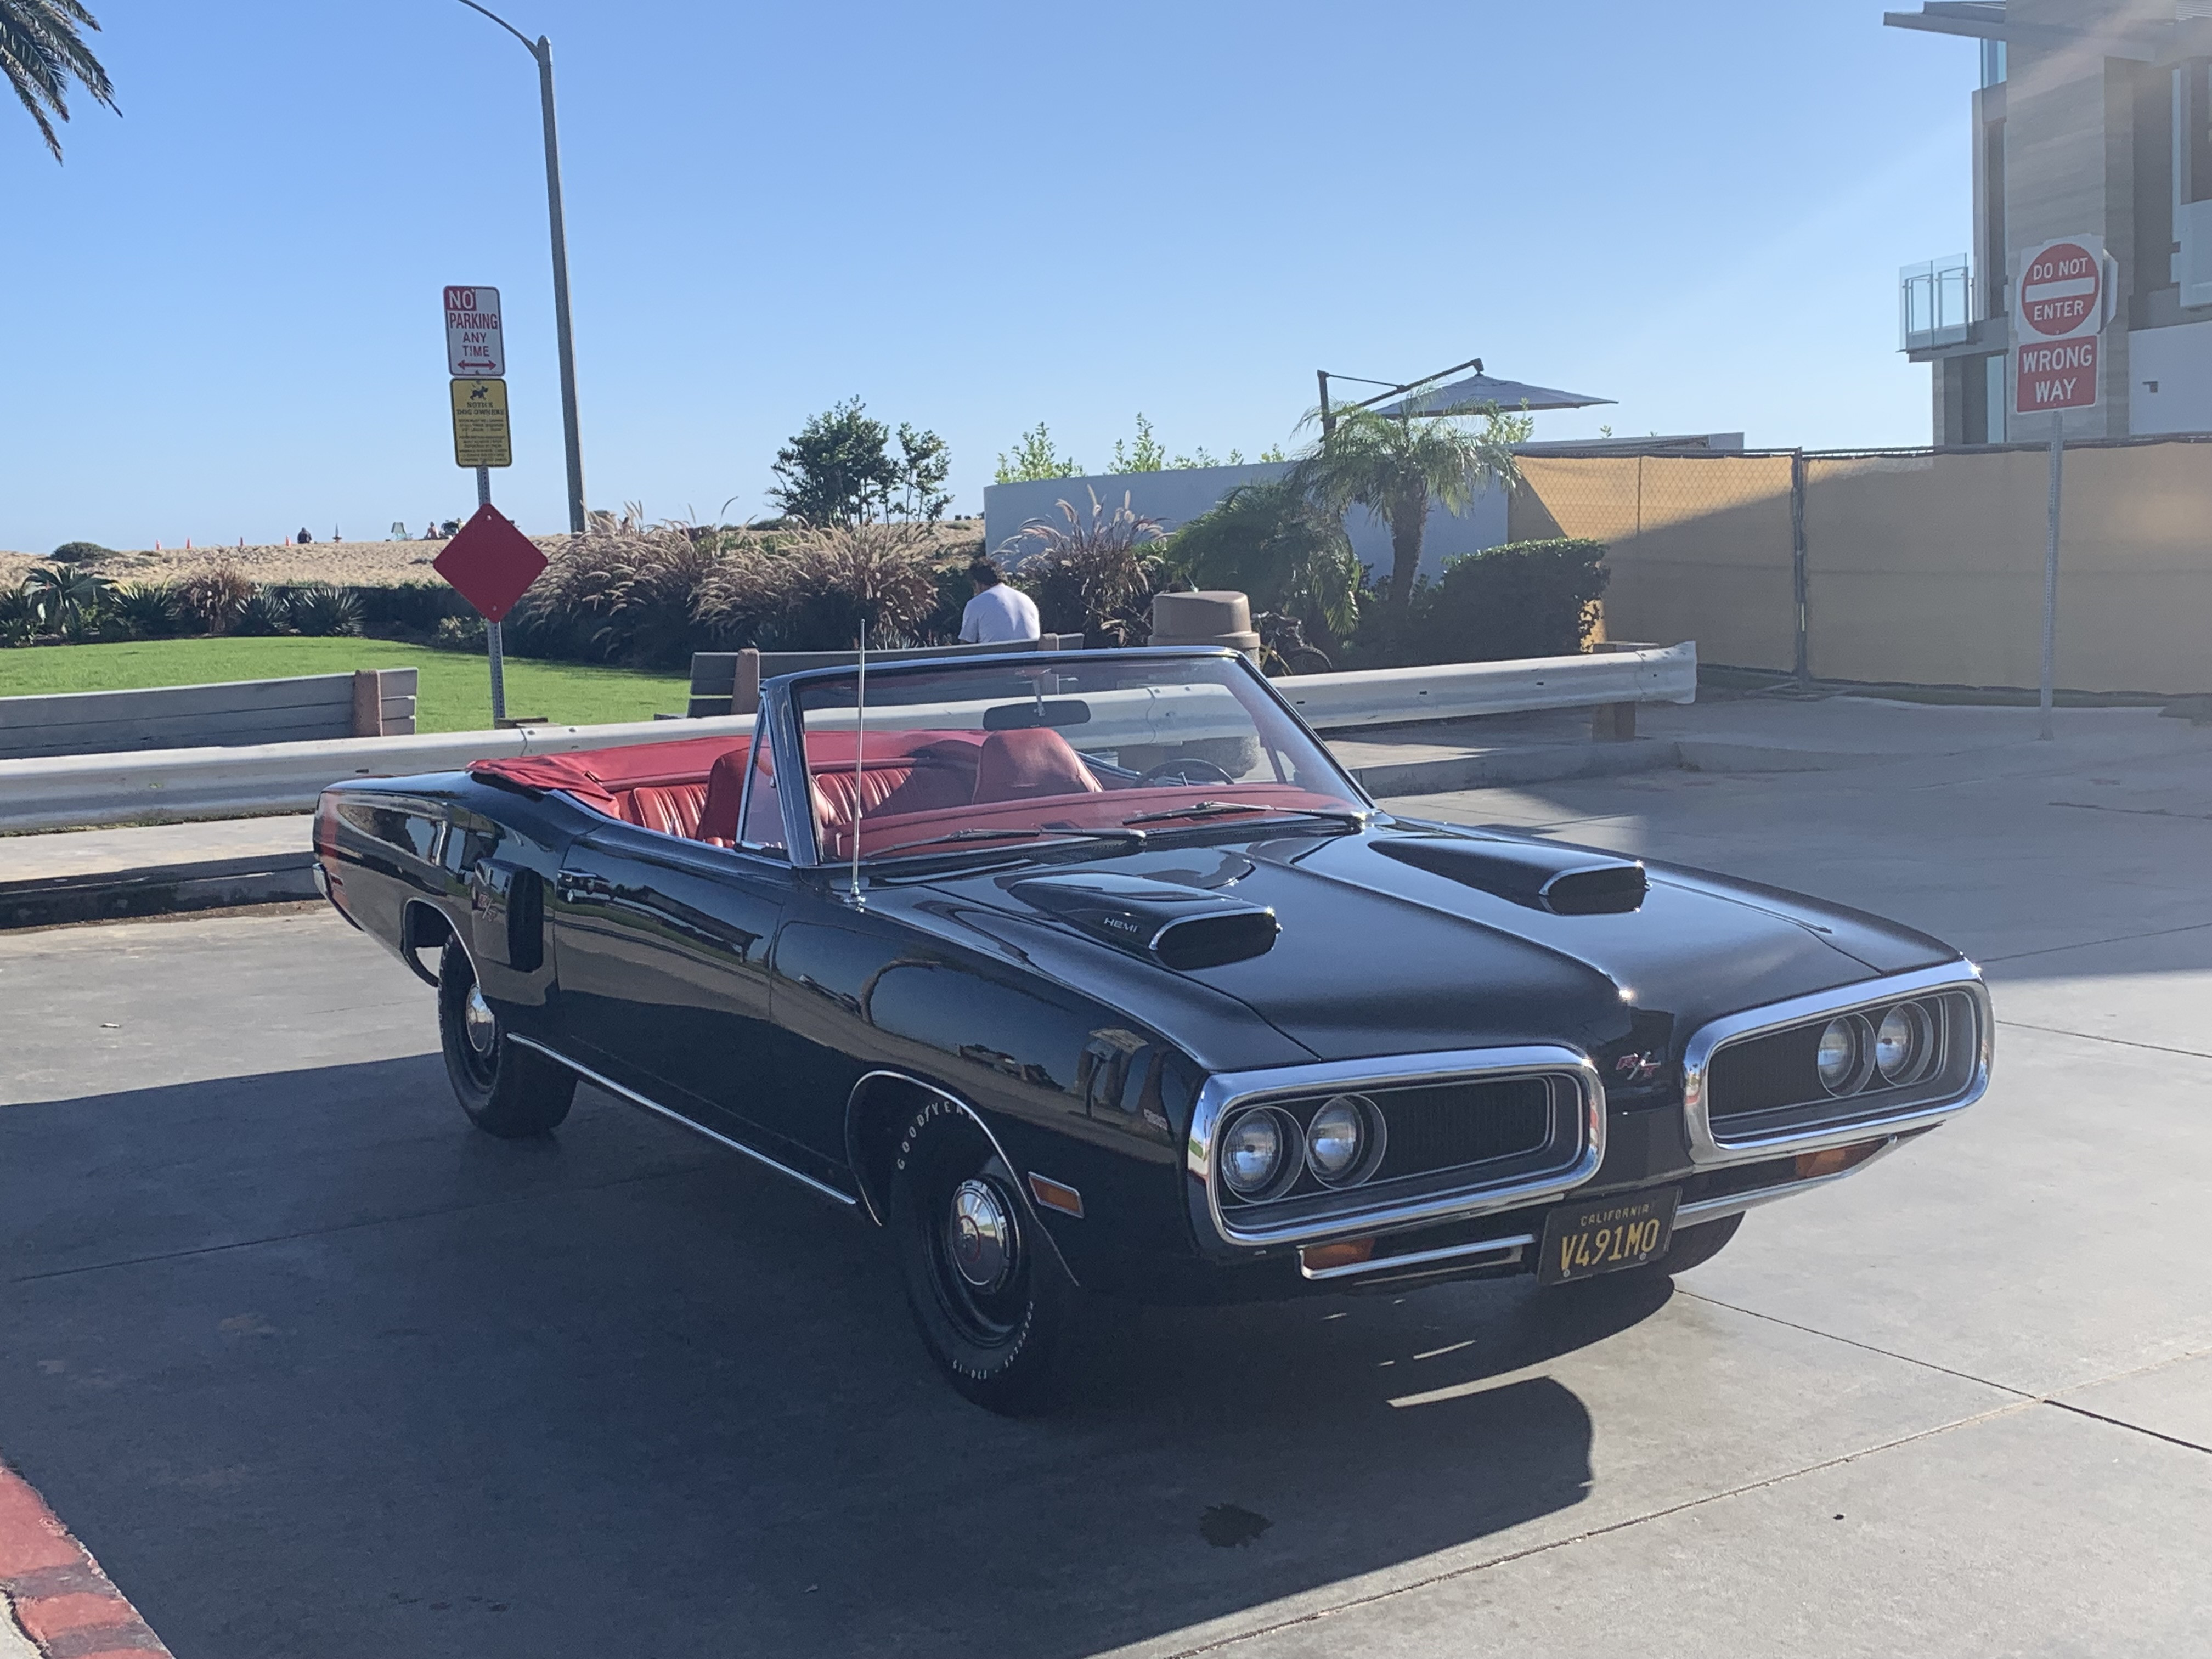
481,1023
981,1231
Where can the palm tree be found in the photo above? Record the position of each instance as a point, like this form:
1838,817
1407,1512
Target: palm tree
41,50
1398,467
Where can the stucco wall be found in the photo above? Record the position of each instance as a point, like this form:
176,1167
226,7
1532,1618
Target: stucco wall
1176,497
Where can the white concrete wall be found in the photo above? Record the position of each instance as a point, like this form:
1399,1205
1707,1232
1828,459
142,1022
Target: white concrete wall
1176,497
2178,361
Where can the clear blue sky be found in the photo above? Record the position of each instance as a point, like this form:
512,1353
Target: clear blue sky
975,216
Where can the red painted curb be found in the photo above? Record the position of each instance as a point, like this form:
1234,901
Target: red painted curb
54,1593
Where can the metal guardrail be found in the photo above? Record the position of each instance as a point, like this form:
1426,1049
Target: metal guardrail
1391,696
72,790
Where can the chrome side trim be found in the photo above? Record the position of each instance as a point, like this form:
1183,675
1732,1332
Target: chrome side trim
1714,1209
1227,1090
1508,1249
696,1128
1708,1150
860,1179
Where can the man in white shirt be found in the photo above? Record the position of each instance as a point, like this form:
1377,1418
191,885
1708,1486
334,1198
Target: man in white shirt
998,615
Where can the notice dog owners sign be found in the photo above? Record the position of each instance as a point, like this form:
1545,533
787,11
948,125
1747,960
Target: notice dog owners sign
2062,300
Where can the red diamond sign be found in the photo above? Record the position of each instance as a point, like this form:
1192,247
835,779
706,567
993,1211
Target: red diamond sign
491,561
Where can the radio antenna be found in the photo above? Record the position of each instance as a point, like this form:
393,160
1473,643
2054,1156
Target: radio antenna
859,743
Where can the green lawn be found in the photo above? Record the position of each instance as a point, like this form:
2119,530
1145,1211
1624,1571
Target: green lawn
455,691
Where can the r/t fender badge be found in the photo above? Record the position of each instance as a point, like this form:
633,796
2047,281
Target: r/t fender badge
1638,1068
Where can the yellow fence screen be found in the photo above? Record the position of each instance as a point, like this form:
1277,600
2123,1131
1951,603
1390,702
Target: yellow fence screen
1700,545
1922,568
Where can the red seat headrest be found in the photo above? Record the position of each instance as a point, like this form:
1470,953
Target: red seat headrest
1036,761
726,793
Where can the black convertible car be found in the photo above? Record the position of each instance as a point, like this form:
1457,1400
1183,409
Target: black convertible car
1094,969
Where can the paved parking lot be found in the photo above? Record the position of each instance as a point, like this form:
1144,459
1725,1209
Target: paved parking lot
316,1370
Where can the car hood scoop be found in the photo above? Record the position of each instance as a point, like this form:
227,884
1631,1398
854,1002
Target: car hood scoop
1567,881
1179,928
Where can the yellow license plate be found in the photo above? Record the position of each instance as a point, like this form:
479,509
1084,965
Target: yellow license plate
1606,1235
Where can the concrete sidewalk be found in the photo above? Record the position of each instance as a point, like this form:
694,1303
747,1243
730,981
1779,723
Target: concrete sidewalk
87,875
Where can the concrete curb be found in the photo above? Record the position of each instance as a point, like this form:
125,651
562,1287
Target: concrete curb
109,894
1537,764
55,1603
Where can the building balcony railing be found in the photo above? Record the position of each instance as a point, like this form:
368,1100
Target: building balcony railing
1935,303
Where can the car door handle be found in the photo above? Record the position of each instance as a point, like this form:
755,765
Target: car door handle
572,886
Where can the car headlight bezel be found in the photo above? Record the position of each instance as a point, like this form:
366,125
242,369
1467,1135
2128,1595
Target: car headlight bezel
1916,1038
1850,1039
1336,1170
1279,1172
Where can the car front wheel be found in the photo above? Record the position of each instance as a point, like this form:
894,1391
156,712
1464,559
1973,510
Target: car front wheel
506,1089
988,1293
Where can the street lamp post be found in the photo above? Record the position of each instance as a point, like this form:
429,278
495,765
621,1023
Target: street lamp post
542,49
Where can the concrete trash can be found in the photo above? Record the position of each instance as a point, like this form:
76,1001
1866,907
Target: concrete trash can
1222,616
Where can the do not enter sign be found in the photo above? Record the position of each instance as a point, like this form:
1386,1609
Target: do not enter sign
2059,312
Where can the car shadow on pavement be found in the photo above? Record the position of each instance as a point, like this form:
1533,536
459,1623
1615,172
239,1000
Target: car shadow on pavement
315,1369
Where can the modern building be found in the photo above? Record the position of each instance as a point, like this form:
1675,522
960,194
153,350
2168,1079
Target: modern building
2095,116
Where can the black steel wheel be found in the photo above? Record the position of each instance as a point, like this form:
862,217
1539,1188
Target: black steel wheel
1306,659
988,1293
506,1090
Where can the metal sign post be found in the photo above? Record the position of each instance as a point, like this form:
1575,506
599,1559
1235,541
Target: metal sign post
492,640
2064,299
476,357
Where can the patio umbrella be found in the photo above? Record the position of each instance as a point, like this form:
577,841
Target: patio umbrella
1471,394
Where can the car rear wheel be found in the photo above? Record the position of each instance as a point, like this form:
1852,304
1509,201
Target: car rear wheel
506,1090
988,1293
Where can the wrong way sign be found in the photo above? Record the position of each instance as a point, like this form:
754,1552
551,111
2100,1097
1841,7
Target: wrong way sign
474,348
2061,300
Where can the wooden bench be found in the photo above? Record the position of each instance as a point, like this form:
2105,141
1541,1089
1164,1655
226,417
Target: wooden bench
729,681
368,703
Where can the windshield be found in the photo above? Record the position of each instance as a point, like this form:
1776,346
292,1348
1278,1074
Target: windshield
994,757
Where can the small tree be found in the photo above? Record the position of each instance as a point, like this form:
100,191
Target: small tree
925,462
1399,467
838,470
1034,458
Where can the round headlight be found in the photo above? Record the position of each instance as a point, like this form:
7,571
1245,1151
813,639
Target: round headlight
1843,1058
1252,1153
1903,1042
1336,1140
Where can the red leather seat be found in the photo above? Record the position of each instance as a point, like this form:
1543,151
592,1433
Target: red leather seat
673,809
1025,764
726,793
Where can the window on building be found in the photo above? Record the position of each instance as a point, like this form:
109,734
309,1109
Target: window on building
1993,62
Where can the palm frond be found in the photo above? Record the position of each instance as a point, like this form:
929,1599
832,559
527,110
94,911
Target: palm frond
41,51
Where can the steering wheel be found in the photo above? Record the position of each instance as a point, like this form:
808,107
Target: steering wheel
1186,769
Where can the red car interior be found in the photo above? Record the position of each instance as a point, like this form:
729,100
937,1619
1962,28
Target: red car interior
910,785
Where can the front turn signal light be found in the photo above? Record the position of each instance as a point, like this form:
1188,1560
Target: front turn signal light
1834,1160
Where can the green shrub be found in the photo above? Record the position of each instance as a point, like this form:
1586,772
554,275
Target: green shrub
1523,599
411,610
211,601
321,612
267,611
70,552
461,633
144,611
